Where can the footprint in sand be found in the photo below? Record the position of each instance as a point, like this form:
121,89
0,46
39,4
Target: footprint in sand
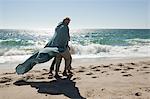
145,67
5,80
132,63
80,71
97,70
106,66
102,89
98,66
94,77
127,75
94,67
117,69
107,74
147,72
123,72
138,94
89,73
120,64
103,71
128,68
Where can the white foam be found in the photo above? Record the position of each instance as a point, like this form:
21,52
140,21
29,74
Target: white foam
80,51
110,51
138,41
15,58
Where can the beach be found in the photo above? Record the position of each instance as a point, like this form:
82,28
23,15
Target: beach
108,40
97,78
107,64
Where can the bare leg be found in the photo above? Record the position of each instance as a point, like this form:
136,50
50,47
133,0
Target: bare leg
52,66
58,61
68,59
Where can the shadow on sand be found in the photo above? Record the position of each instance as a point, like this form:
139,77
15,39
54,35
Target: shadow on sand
55,87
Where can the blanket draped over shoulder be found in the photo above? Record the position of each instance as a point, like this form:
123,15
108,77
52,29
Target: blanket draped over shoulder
57,44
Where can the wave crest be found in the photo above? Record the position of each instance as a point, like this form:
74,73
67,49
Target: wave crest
89,49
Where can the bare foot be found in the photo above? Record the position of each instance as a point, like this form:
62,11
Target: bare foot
70,72
64,74
57,76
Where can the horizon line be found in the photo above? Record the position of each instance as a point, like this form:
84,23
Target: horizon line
70,28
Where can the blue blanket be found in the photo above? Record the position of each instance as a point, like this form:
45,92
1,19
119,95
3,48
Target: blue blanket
41,56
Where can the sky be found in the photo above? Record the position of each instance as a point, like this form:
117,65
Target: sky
46,14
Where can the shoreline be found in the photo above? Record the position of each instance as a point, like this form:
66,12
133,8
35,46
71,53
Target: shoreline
79,61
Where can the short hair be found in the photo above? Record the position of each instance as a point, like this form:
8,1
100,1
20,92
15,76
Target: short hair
67,18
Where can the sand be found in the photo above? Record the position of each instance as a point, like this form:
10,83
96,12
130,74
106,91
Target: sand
126,78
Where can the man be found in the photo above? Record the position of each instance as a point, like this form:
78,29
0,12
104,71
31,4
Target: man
60,40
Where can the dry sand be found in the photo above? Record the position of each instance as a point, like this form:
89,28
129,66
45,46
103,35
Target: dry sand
91,79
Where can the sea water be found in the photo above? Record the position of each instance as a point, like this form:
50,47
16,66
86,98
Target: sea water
18,45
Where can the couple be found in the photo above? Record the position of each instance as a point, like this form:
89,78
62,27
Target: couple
60,40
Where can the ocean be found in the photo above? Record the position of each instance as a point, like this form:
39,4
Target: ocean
18,45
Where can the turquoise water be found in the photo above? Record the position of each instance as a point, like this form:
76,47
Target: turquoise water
84,42
119,37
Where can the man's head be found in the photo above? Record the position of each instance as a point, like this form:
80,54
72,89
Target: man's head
66,20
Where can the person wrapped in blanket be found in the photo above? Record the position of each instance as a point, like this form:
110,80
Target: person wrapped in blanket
60,40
